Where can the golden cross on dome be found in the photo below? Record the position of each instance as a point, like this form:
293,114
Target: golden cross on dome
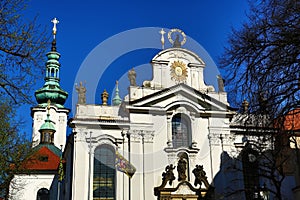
55,22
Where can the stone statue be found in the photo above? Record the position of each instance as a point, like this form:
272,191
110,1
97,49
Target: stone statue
81,90
181,169
177,43
220,83
168,175
262,100
245,106
200,176
132,77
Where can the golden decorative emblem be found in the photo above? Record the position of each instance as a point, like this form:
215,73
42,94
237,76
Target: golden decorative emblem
178,71
176,30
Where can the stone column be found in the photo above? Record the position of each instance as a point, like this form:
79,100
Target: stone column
169,131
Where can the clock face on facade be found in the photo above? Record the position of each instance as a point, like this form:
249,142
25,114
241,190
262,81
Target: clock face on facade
178,71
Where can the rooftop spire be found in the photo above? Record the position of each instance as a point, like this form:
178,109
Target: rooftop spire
117,100
47,130
51,89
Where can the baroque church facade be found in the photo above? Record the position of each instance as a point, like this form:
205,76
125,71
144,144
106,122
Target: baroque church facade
167,121
171,138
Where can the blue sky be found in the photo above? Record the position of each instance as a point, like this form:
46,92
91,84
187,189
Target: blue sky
84,25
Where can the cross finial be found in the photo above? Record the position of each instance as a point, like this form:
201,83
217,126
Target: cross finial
48,105
162,32
55,22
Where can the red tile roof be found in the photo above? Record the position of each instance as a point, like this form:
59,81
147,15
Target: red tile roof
292,120
42,159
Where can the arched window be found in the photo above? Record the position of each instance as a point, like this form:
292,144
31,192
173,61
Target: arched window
52,72
42,194
104,173
181,131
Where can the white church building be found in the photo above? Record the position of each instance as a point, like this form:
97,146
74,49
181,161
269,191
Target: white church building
170,138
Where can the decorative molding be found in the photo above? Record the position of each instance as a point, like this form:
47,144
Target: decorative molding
217,138
137,135
80,134
189,150
39,117
183,189
61,119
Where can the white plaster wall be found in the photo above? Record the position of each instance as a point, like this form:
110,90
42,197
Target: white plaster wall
60,124
80,168
25,187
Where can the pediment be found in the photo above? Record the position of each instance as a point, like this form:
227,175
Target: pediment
178,53
180,95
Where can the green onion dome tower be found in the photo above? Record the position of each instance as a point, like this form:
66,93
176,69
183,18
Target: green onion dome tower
51,89
42,127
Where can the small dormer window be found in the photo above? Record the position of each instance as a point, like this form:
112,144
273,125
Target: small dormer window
43,158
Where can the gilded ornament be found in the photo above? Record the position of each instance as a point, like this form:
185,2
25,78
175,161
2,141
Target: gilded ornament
178,71
183,41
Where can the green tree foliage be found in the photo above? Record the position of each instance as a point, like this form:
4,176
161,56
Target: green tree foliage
22,48
13,147
261,62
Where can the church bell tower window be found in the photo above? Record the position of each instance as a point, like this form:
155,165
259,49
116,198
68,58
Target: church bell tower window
47,137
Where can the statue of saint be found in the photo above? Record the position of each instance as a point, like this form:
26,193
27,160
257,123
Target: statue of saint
181,169
200,176
81,90
220,83
168,175
177,43
132,77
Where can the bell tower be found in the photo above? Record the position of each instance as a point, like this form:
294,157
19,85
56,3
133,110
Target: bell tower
51,92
